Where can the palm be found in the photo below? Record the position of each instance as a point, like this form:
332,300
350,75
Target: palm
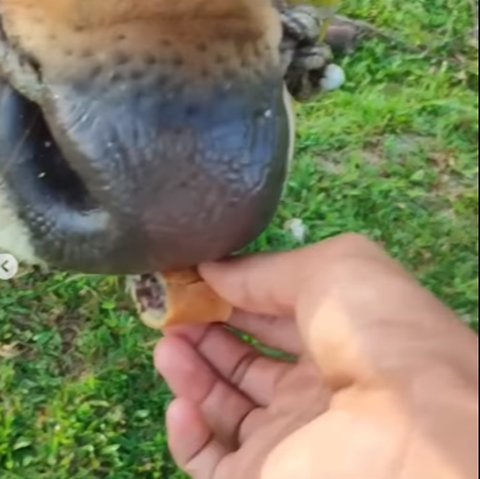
250,402
267,427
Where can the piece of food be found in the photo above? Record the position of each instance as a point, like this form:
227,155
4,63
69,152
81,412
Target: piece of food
177,298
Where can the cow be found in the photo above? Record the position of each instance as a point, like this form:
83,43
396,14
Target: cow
148,135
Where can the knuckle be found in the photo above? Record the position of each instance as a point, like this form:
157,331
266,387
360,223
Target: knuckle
242,367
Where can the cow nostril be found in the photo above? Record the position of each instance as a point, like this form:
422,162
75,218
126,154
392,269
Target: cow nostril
54,171
36,151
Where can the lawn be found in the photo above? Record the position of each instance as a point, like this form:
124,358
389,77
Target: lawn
392,155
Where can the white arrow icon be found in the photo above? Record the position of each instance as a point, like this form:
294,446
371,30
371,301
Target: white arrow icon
8,266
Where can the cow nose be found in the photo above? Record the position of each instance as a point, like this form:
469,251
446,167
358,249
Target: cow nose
149,138
121,181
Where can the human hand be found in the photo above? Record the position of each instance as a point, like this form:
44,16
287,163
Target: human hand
384,384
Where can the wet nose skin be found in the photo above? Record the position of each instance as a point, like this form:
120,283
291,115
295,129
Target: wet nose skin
152,184
149,162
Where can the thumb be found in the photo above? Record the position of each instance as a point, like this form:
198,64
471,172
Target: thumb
271,284
262,284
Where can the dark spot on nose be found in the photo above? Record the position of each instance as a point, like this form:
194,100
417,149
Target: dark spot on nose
94,72
220,59
86,53
150,59
229,74
202,47
136,75
161,80
115,77
120,58
177,61
191,110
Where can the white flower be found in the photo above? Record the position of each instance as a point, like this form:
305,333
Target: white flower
297,228
333,78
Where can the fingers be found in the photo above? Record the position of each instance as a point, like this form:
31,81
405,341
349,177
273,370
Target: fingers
280,333
350,301
270,284
191,442
260,284
238,363
191,378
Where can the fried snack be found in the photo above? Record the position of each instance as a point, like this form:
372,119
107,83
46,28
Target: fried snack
178,298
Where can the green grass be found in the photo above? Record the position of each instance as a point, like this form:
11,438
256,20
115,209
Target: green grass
393,155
